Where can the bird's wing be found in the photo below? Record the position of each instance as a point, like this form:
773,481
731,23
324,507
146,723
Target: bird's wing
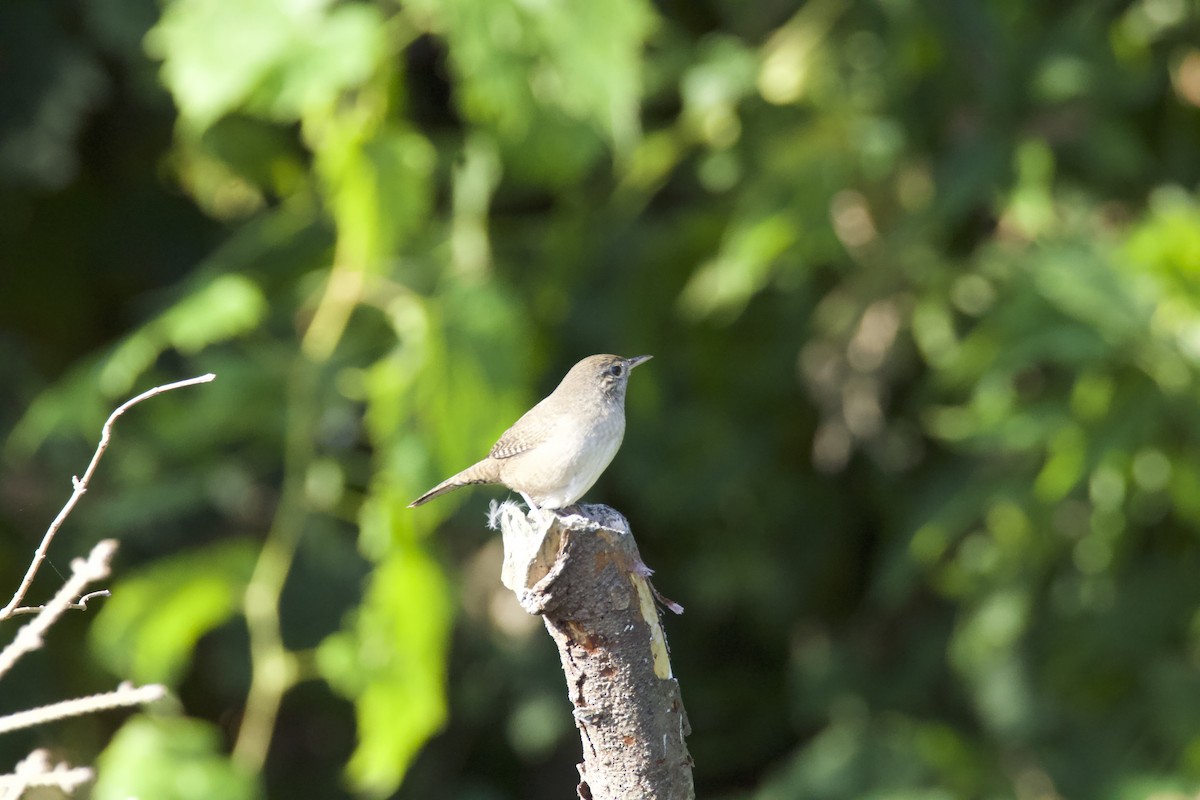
535,427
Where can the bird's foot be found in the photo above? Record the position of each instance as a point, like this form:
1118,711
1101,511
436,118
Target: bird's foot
544,516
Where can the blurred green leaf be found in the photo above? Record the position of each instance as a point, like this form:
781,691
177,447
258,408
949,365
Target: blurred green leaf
149,627
391,660
169,758
279,58
543,77
224,308
379,189
743,267
1167,242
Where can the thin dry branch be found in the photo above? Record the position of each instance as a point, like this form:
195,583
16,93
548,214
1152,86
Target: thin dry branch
83,572
124,696
78,605
81,485
35,770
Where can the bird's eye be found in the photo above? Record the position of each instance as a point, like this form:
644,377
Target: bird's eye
616,370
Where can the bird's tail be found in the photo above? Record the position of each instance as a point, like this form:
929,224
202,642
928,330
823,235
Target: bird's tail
483,472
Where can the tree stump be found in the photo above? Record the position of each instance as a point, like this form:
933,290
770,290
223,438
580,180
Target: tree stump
583,575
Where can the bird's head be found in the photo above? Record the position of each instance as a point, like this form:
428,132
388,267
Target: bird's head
608,372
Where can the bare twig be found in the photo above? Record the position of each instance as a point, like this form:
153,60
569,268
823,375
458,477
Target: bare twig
79,605
81,485
35,770
125,695
29,637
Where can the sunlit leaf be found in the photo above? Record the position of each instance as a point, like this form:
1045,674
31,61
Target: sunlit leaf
544,76
222,309
391,661
744,265
147,630
275,57
170,758
379,190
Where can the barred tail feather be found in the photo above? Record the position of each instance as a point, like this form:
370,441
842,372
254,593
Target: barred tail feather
483,472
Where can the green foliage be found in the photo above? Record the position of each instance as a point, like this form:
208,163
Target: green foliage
546,79
227,307
171,758
149,629
270,58
917,450
392,662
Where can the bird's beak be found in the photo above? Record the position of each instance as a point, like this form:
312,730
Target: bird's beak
633,362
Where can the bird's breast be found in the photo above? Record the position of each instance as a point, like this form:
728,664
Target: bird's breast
561,469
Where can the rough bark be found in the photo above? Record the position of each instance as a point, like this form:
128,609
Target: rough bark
583,575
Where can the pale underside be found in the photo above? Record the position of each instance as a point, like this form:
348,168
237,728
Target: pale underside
554,460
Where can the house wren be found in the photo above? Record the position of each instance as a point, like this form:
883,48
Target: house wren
559,448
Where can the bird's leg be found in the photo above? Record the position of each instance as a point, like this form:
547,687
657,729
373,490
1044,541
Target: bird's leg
529,502
539,513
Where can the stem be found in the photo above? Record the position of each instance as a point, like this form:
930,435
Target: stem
273,667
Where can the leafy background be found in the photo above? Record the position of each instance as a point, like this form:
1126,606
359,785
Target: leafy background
918,450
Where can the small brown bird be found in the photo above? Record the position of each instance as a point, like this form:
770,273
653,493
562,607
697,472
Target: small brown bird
560,447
